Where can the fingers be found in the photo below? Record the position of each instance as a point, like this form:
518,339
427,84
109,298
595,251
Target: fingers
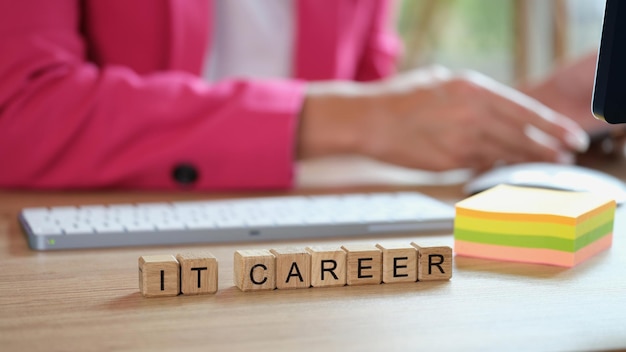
477,137
514,144
433,120
523,110
480,149
523,144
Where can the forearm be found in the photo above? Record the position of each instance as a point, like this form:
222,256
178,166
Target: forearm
329,120
82,128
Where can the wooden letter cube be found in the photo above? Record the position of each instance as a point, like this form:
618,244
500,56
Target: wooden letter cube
328,266
255,269
198,273
434,263
293,268
159,275
364,263
399,263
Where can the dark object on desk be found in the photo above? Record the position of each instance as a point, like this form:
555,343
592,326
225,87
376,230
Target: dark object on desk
552,176
609,95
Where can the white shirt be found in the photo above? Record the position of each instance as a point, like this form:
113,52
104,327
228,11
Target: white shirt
251,38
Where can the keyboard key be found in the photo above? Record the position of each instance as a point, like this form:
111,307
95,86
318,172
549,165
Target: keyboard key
108,228
78,229
47,230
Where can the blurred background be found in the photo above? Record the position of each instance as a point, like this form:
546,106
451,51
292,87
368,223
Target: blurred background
513,41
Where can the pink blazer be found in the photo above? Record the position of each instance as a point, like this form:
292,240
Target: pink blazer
105,93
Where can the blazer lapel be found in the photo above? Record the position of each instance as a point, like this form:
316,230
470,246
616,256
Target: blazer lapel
190,32
316,39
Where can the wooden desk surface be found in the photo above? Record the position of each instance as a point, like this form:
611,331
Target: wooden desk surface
89,299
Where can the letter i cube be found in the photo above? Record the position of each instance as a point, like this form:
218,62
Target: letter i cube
159,275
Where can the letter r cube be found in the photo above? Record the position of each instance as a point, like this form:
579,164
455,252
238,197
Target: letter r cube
328,266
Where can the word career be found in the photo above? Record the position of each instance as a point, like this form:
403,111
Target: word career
260,269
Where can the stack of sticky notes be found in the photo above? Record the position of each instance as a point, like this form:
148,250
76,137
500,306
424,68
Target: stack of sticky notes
533,225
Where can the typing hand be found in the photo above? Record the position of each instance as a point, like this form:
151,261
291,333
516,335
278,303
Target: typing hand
569,90
436,120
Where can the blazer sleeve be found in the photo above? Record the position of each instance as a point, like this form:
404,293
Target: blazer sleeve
67,123
383,46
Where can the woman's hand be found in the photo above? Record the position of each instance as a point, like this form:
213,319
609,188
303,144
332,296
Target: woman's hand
433,119
569,90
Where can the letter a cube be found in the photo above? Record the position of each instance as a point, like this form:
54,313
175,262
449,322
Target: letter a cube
293,268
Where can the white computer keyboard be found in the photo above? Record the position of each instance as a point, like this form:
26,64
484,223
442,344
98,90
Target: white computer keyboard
247,219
